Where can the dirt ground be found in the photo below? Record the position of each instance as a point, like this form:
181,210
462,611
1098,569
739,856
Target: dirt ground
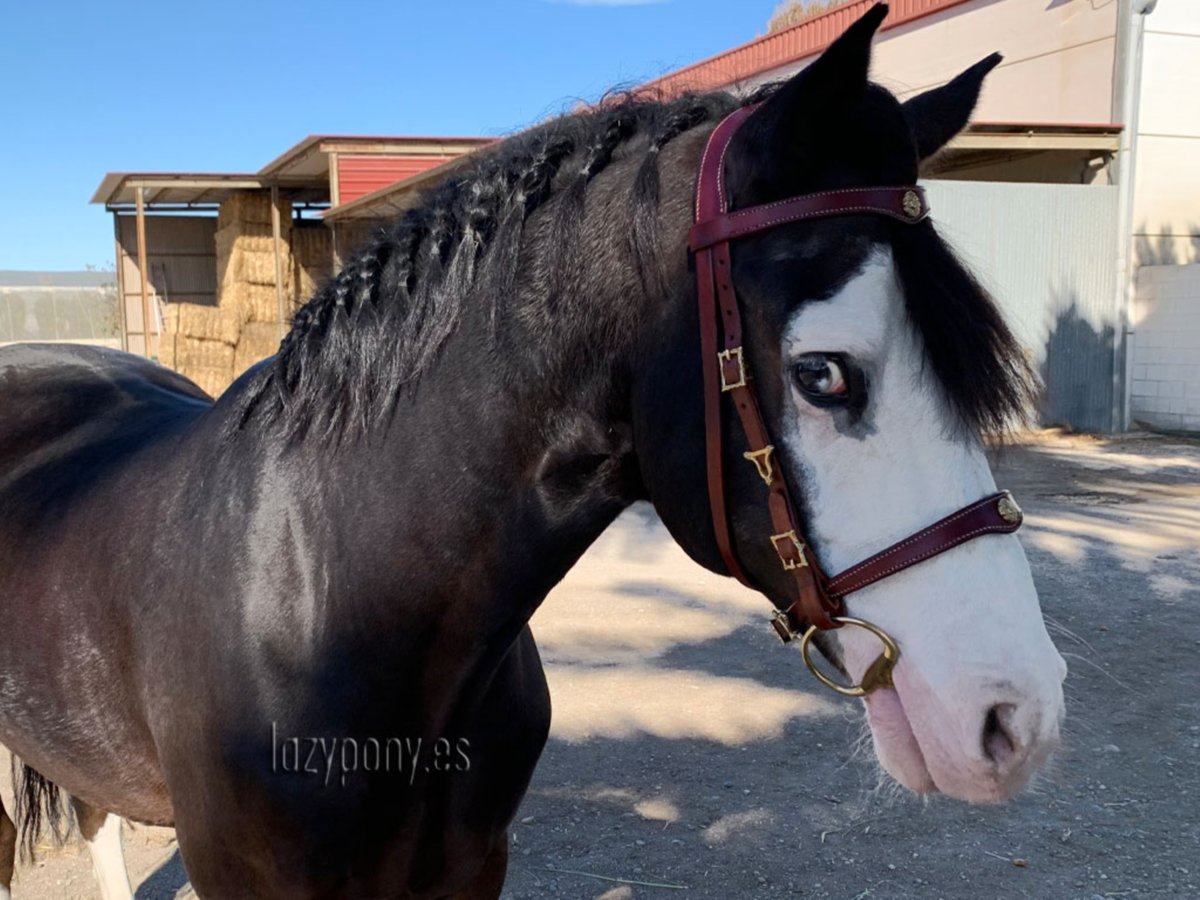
692,756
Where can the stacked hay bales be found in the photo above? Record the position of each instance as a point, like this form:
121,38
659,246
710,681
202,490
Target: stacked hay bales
212,345
258,341
246,256
310,260
312,252
199,341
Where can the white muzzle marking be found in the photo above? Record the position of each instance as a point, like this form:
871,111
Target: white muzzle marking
978,689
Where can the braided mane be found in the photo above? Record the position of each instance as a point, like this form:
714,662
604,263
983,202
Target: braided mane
374,329
377,325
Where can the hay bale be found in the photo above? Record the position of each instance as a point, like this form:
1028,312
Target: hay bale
259,341
355,235
257,302
249,256
263,334
259,268
166,349
251,208
254,238
244,207
306,281
312,246
213,381
195,353
209,323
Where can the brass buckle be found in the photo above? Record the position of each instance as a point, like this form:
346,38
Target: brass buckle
762,462
1007,507
782,626
911,202
728,356
878,674
789,564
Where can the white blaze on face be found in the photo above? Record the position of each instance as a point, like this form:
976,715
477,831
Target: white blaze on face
978,695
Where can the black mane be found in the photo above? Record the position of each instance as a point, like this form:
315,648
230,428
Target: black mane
377,325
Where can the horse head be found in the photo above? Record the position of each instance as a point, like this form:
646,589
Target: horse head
880,365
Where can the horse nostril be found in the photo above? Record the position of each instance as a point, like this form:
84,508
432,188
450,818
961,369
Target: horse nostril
999,743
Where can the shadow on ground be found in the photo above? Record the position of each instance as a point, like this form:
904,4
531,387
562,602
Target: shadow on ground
165,882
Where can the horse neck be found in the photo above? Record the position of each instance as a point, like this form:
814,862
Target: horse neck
499,467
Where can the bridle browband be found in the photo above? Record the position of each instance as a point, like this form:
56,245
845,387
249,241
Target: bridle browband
819,601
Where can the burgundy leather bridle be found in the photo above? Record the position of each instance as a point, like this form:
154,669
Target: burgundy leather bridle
819,601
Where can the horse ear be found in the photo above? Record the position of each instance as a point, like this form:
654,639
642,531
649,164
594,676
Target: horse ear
834,82
938,115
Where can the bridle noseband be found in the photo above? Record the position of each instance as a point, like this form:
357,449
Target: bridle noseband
819,601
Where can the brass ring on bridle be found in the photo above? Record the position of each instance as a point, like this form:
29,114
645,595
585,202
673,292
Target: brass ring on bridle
878,674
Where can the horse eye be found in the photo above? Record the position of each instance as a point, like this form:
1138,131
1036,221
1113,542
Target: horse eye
823,378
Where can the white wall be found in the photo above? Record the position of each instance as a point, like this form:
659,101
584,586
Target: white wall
1166,205
1058,57
1166,348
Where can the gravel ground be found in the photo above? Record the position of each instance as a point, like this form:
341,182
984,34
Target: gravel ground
692,756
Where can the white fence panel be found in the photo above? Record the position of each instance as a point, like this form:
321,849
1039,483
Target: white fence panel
1046,252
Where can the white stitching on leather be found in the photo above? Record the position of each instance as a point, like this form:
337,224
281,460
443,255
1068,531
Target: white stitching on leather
703,161
866,564
987,529
798,217
861,190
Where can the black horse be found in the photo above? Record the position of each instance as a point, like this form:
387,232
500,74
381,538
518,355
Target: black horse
293,622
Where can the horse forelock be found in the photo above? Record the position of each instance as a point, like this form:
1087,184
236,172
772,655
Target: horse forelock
983,372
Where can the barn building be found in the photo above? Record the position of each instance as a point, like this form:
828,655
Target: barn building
228,257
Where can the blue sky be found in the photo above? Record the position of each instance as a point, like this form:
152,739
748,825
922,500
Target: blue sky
91,87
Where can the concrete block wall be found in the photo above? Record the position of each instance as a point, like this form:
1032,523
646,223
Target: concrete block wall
1165,386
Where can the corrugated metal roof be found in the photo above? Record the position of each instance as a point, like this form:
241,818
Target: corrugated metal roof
361,174
119,188
787,45
302,171
392,199
308,157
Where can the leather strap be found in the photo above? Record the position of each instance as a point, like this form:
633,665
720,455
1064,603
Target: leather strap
726,372
907,204
996,514
818,600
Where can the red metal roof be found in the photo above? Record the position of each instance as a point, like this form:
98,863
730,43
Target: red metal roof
361,173
297,152
786,46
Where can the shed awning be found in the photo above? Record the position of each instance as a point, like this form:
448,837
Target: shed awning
119,189
310,157
1037,136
